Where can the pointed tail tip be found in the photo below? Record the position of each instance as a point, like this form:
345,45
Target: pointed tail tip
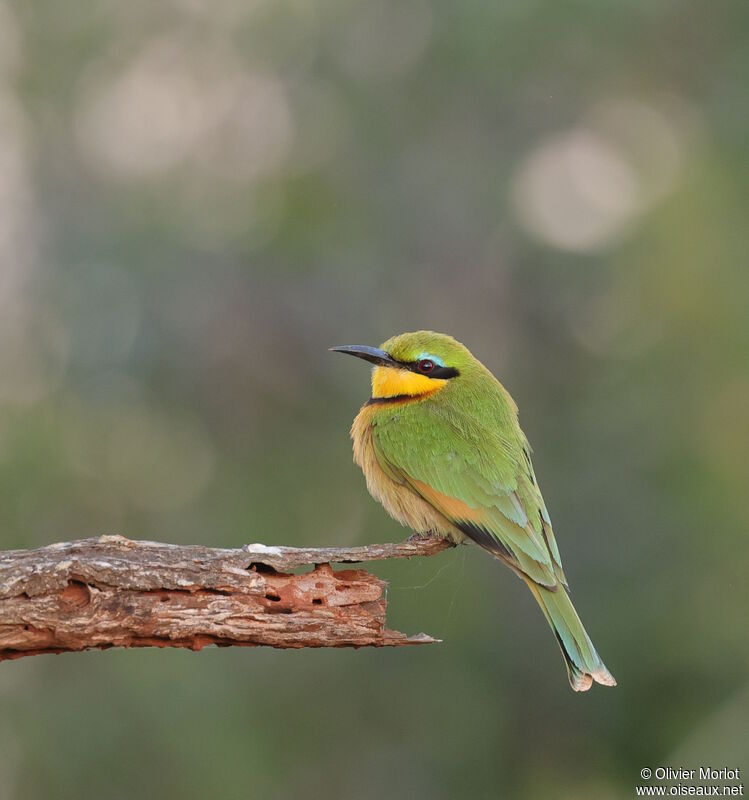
604,677
582,681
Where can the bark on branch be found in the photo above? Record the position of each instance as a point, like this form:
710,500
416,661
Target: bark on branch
114,592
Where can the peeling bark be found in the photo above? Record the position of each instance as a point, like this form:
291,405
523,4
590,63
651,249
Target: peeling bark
114,592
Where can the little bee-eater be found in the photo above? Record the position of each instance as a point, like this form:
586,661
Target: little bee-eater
441,447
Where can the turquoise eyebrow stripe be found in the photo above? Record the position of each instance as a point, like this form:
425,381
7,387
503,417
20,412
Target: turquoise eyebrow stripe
436,359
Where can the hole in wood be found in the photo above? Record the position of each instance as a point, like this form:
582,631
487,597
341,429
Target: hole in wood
258,566
76,594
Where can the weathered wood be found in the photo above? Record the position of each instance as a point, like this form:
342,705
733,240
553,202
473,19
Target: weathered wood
114,592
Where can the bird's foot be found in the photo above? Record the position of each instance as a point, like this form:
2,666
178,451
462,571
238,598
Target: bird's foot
423,537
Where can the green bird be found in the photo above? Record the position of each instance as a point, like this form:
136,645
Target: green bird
441,448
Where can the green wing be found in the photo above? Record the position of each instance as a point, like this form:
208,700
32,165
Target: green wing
481,480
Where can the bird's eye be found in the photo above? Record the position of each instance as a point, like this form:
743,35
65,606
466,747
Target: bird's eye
426,365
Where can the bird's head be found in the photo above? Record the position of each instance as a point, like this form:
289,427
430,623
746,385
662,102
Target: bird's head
413,365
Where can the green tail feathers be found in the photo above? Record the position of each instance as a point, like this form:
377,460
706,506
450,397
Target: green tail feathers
584,665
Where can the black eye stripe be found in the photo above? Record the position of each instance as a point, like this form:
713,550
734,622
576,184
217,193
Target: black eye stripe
444,373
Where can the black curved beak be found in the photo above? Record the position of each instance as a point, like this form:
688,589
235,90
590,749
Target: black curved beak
372,354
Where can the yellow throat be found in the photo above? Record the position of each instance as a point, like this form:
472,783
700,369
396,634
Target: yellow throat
392,382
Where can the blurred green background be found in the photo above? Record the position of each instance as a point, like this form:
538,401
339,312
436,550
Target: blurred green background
196,200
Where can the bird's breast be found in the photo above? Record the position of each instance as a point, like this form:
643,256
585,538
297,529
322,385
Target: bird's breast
397,496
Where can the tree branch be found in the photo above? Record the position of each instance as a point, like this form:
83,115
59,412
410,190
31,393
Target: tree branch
114,592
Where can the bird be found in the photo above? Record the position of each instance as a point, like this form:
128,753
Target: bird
441,448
